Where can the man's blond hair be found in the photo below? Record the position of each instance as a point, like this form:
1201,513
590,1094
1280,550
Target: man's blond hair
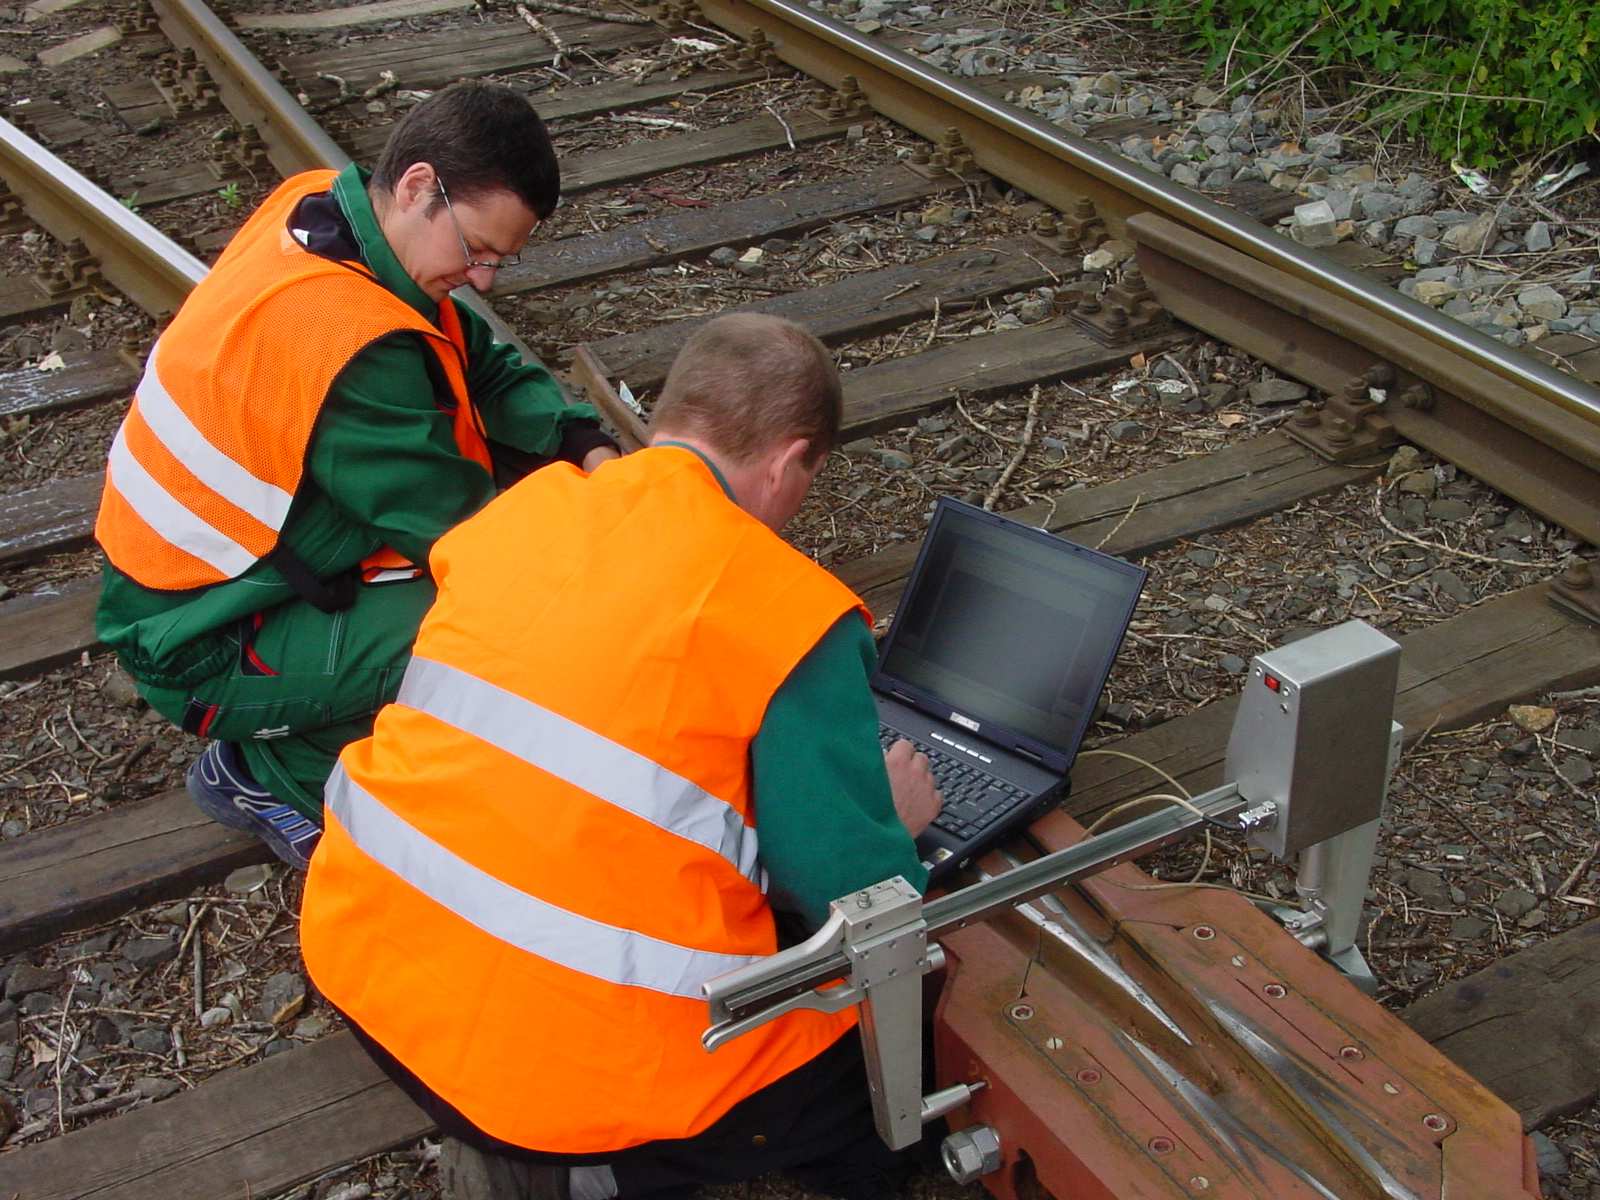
745,381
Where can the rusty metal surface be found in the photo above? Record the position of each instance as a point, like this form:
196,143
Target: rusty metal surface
1028,152
133,255
1541,454
1291,1084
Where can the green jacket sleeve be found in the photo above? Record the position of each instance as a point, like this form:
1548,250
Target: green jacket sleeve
824,812
385,455
521,403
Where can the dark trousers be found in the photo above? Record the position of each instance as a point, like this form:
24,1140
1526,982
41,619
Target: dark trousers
814,1125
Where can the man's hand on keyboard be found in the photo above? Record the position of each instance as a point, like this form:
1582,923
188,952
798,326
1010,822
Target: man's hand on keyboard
916,796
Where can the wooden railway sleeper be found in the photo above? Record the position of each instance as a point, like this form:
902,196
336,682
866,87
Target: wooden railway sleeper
1350,424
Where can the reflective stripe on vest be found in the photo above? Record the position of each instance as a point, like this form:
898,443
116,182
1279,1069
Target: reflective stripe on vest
157,508
545,864
164,512
578,943
582,758
213,449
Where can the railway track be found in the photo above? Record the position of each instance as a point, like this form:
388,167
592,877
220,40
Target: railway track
793,198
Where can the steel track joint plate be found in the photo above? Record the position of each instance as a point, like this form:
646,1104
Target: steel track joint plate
1577,591
1124,311
1351,423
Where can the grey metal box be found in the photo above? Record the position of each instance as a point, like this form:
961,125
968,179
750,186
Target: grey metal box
1312,734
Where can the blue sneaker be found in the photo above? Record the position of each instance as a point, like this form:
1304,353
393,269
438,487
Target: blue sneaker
222,788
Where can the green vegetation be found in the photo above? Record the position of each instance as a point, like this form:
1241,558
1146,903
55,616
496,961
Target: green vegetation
1482,81
229,195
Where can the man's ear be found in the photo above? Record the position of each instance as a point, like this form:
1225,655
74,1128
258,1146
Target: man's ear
416,184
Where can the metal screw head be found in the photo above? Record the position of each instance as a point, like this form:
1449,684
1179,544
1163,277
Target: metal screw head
1351,1053
1199,1182
1053,1043
1022,1012
1276,990
1204,933
1390,1089
1435,1122
1237,960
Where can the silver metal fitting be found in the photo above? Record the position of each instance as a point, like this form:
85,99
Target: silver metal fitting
1260,816
971,1153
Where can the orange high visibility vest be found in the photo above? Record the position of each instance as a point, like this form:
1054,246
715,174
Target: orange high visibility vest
209,458
545,848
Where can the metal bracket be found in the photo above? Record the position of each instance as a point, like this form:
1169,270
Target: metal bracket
75,273
848,103
13,217
187,86
951,156
1351,423
1575,591
244,153
140,19
1072,233
1124,311
757,51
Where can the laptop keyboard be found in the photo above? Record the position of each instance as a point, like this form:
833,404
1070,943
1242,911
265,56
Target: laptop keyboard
973,799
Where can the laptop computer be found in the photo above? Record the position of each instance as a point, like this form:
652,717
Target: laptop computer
993,666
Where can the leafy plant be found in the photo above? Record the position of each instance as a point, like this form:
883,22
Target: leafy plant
229,194
1479,80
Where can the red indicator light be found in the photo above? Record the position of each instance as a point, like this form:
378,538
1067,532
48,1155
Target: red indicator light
1272,682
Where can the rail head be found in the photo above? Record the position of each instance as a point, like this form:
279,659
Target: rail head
1028,152
134,255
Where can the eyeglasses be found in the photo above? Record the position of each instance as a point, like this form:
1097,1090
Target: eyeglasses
509,260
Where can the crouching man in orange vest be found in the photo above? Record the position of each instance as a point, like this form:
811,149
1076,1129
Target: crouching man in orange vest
542,851
319,411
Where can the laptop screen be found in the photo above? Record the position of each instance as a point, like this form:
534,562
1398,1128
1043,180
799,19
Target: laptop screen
1005,625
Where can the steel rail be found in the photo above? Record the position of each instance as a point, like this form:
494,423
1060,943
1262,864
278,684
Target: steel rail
1029,153
294,141
137,258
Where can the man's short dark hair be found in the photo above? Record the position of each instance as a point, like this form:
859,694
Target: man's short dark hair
744,381
479,137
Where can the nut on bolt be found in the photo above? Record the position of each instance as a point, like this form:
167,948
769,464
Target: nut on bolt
971,1153
1578,575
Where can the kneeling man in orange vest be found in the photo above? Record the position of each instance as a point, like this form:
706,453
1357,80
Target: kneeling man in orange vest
543,851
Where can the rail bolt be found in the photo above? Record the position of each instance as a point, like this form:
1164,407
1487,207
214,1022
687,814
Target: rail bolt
971,1153
1307,415
1418,396
1578,575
